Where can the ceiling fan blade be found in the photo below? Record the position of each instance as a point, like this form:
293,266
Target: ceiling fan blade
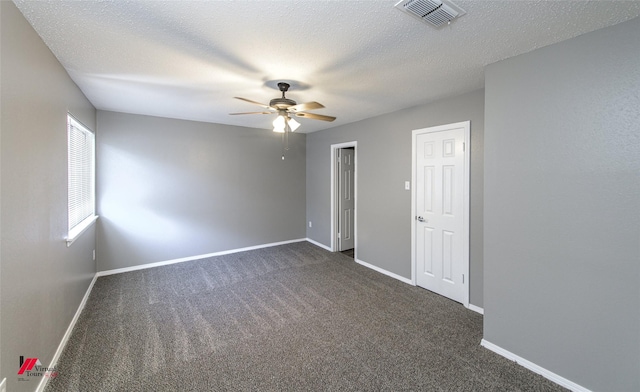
305,106
234,114
314,116
253,102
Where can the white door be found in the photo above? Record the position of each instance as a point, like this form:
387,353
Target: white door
441,235
346,198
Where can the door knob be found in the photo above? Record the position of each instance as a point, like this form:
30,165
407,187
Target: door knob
421,219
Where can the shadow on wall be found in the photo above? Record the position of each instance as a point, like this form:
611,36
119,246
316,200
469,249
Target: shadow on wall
171,188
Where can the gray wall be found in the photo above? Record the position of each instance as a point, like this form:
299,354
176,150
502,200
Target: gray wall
384,164
562,202
43,281
169,189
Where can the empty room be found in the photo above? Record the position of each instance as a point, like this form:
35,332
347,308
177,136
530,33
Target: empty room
289,195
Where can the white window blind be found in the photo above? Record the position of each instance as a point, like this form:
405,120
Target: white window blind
81,177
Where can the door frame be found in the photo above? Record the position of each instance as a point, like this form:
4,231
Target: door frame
334,196
466,200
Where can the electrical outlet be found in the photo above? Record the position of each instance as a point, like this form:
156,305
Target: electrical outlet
310,224
407,185
3,385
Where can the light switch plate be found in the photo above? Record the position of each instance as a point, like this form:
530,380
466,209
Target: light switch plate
407,185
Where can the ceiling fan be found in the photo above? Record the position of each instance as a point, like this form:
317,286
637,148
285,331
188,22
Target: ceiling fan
286,109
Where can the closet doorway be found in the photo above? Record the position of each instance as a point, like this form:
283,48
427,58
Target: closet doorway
344,198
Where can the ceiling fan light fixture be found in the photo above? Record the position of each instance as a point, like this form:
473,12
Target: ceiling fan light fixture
293,124
278,124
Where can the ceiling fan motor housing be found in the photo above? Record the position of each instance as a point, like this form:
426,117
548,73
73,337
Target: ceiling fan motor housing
281,103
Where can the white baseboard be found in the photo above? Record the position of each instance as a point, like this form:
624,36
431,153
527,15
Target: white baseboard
373,267
65,338
191,258
476,309
534,368
383,271
316,243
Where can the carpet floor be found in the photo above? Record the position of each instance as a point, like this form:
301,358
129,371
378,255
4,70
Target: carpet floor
287,318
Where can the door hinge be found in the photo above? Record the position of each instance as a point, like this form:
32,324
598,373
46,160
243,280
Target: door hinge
338,235
462,278
463,146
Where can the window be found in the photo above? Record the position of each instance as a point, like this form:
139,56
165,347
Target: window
81,170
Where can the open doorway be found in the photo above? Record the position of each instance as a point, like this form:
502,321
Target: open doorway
344,198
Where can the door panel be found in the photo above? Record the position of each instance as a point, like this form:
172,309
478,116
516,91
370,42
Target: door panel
346,159
429,185
427,250
440,236
447,256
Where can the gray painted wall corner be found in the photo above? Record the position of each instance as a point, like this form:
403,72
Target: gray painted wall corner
384,164
170,189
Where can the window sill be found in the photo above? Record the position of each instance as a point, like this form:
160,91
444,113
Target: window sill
75,233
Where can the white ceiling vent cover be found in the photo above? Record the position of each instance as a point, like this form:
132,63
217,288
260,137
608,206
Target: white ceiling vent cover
434,12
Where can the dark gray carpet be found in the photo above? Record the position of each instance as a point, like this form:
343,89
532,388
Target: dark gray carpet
287,318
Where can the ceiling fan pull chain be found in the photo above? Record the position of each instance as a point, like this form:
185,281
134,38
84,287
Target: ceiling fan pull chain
285,141
286,135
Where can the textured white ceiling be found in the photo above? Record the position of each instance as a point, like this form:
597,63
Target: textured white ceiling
187,60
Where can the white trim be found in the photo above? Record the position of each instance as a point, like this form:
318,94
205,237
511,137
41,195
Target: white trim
467,165
79,229
533,367
334,147
316,243
385,272
413,209
65,338
476,309
80,122
191,258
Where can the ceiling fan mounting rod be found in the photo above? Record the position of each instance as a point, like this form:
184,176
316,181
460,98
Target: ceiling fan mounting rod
284,87
284,102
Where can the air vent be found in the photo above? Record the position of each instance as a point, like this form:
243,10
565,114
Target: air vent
434,12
